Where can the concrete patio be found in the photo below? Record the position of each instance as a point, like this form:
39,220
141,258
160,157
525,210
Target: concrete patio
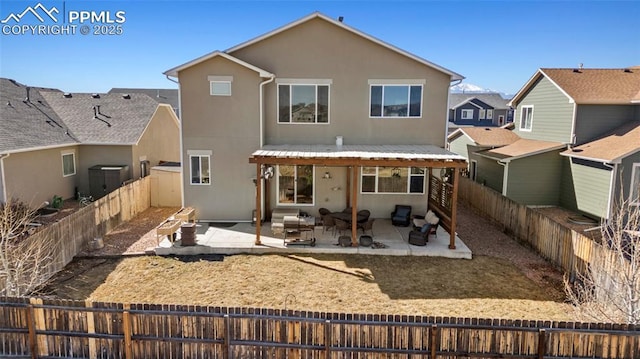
239,238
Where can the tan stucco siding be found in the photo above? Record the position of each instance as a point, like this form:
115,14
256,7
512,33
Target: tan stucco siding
319,50
92,155
36,176
160,141
229,127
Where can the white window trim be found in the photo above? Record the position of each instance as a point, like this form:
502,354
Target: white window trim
408,83
634,172
462,114
303,82
200,153
409,175
482,114
287,204
521,118
220,80
73,154
489,114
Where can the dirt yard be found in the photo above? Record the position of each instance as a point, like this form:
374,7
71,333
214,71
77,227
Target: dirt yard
504,280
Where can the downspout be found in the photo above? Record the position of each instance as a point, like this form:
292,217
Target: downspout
182,165
271,78
3,199
614,170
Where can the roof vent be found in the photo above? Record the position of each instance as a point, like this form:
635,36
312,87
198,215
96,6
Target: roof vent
487,129
627,70
67,95
126,96
95,95
577,70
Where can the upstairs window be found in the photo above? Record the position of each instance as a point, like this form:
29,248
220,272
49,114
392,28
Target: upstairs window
302,103
392,180
395,100
482,115
489,114
466,114
526,118
220,85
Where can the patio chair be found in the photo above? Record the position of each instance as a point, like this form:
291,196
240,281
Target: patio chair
365,213
368,225
421,237
429,217
342,226
328,222
401,215
323,212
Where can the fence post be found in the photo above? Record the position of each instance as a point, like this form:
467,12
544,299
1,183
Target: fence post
33,344
126,330
327,339
432,344
91,329
42,347
541,343
227,333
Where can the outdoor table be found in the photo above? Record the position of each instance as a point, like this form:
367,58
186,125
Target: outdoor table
346,216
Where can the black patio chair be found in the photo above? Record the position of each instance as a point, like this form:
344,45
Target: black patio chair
401,216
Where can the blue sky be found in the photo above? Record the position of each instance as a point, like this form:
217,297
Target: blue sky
494,44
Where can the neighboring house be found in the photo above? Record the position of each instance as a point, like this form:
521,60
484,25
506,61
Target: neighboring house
583,148
50,139
167,96
479,109
340,118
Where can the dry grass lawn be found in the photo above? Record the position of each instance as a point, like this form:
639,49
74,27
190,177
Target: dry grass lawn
484,287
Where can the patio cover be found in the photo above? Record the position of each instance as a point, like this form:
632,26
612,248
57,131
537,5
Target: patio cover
355,156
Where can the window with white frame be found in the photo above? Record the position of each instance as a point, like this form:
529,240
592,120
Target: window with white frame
526,118
489,114
200,167
68,164
220,85
295,184
482,115
391,100
303,103
634,191
466,114
393,180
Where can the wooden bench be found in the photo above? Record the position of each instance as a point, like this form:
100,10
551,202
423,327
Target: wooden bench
168,228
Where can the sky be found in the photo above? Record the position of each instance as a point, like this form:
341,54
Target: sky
496,45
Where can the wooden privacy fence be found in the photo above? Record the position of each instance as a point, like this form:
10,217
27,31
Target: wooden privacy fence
71,234
563,246
36,328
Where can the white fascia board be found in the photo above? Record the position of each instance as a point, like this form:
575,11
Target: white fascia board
174,71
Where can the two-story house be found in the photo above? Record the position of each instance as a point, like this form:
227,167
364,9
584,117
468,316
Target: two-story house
313,114
479,109
578,144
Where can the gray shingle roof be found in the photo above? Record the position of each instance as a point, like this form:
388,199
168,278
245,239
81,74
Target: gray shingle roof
118,120
494,100
168,96
28,124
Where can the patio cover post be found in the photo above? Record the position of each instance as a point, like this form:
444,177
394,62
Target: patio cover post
258,201
354,207
454,208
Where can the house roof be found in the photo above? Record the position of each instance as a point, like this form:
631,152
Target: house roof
486,136
167,96
356,153
117,120
521,148
612,147
591,86
174,71
494,100
315,15
28,124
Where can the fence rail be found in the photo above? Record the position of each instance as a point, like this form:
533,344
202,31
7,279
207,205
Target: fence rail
72,233
38,328
568,249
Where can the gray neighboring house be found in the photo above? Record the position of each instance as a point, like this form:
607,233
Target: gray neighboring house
166,96
479,109
50,139
581,146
